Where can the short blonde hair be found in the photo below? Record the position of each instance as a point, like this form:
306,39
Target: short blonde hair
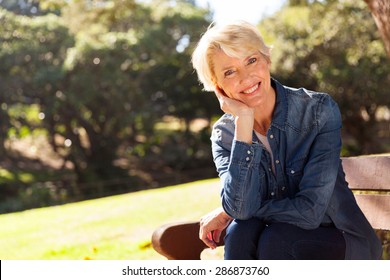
237,39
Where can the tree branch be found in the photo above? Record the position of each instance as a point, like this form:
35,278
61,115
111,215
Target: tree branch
380,10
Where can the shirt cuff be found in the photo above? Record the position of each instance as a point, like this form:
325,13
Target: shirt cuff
245,154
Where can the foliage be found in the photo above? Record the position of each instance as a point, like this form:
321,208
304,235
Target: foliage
98,77
380,10
335,47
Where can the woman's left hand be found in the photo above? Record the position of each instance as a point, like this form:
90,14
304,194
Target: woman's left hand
212,225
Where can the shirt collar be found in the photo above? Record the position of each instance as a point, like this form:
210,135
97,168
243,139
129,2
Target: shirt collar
281,109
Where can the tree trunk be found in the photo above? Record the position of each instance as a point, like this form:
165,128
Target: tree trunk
380,10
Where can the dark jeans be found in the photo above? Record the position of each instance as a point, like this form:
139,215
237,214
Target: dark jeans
254,240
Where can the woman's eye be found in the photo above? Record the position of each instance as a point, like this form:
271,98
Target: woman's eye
228,73
252,60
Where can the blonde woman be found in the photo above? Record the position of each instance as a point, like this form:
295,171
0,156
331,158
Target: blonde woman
277,153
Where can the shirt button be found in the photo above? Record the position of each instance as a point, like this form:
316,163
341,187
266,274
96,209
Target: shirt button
248,152
247,159
272,193
271,136
292,171
283,188
277,161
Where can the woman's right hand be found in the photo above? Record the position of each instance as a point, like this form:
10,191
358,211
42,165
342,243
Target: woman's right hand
244,115
232,106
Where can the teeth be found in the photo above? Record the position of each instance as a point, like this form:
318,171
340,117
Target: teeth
252,89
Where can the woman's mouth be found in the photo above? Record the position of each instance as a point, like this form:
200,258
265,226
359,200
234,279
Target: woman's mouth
252,89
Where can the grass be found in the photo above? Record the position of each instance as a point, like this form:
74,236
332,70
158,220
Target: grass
111,228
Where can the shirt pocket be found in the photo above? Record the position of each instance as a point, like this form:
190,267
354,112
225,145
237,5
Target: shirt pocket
294,171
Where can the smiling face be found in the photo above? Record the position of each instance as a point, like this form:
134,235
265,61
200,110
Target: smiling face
244,79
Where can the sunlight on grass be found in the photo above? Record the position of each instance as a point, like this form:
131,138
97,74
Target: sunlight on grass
111,228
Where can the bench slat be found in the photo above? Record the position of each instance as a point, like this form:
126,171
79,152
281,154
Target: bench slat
367,172
376,208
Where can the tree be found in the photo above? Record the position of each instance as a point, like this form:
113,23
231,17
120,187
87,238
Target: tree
113,88
380,10
32,52
335,47
100,77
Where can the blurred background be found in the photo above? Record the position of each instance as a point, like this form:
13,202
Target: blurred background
98,97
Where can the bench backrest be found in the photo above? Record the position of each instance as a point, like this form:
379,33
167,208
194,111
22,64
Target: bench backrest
369,178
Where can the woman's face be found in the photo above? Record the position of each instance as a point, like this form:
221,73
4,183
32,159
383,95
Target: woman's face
247,80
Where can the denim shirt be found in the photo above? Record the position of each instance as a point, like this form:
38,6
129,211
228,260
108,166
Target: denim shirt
307,187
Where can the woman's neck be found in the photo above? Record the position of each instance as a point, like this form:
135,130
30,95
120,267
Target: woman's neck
263,114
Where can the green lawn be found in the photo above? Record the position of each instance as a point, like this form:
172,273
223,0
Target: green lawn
112,228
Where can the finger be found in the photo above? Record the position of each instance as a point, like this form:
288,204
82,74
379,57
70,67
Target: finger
217,235
222,101
219,95
209,243
207,239
219,92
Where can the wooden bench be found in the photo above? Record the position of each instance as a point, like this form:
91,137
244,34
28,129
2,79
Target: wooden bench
368,177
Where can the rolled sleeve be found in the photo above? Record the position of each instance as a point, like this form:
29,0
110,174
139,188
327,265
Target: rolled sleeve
241,194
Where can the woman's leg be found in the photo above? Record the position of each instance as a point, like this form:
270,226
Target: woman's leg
285,241
242,238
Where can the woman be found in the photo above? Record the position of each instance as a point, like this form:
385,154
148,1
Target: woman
277,152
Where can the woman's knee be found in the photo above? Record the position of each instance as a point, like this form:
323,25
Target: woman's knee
273,244
242,238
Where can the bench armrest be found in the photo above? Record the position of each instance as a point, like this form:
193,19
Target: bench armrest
179,241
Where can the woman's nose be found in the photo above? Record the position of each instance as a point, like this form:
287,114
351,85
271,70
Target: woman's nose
244,77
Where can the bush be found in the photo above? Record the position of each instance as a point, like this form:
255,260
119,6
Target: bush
37,195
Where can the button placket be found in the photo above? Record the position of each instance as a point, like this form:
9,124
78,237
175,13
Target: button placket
248,158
